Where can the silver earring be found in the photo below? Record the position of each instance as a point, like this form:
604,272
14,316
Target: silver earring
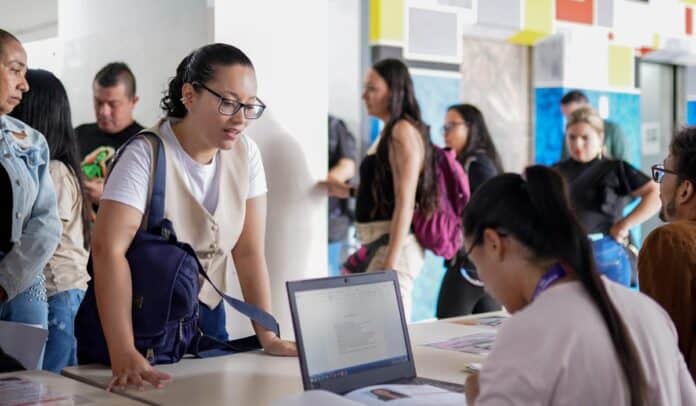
183,100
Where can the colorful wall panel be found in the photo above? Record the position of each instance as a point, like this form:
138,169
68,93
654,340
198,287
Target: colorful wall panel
576,11
621,66
386,21
538,22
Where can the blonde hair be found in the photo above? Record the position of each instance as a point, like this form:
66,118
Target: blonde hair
589,116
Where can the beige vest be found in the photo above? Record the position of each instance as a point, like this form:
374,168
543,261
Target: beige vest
212,236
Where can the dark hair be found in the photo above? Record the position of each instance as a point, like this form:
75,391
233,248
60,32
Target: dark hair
683,150
6,37
114,73
403,106
479,138
537,212
574,96
199,66
45,107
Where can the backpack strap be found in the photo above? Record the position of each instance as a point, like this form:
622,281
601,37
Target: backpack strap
154,210
205,346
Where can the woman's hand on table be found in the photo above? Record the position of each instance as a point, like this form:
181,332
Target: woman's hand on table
131,368
283,348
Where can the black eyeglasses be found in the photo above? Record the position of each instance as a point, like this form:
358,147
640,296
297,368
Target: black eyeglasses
479,239
450,126
659,171
230,107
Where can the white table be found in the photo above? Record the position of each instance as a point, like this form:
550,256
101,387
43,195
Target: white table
64,391
254,378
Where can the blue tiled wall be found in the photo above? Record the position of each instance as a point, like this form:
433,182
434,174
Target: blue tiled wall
624,109
548,122
434,95
691,112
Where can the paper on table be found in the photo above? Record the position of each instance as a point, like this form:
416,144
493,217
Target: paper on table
398,395
16,391
479,343
487,321
314,398
24,342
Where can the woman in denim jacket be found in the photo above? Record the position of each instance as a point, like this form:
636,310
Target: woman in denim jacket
46,108
29,224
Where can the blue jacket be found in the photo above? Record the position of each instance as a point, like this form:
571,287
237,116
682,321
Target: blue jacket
36,228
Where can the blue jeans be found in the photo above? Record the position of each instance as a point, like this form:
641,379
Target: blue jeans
212,321
61,347
335,262
612,260
28,307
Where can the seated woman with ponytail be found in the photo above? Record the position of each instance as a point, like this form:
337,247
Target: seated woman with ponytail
575,337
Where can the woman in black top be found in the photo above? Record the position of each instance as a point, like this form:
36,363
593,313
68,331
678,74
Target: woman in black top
397,175
466,133
600,188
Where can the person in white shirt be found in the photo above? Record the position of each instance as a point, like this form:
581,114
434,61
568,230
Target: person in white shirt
215,196
575,337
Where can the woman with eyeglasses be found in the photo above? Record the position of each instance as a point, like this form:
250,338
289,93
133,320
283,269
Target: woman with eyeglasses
574,337
600,189
466,133
215,196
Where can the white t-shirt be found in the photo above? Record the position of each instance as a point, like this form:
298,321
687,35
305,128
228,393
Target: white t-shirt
129,179
557,351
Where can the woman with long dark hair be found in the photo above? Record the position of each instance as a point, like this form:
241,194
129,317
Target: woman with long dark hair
574,337
396,176
46,108
466,133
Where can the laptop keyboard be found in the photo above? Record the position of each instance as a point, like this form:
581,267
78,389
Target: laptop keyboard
452,387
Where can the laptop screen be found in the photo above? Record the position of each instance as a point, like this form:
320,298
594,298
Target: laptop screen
350,329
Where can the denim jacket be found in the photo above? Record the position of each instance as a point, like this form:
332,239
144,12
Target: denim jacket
36,228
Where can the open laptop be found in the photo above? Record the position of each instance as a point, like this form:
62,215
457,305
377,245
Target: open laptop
351,333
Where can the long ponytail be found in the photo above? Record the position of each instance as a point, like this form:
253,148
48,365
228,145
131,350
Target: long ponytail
537,212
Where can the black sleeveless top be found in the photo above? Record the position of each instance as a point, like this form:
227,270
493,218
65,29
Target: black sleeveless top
365,207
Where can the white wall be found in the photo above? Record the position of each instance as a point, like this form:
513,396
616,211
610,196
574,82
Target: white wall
150,36
287,42
345,62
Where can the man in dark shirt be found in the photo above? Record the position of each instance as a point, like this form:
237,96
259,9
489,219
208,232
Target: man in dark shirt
342,157
614,137
114,102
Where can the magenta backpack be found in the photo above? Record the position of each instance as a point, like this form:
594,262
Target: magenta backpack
441,232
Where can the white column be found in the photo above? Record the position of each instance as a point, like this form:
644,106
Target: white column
345,51
287,42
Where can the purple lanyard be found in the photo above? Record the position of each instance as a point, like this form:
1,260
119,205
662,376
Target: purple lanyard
550,277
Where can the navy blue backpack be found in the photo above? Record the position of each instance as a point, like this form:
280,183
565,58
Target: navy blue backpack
165,277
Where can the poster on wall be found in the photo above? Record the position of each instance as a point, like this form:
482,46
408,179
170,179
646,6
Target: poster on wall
650,140
576,11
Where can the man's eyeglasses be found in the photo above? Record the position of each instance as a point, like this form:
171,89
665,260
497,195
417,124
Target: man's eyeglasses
230,107
659,171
